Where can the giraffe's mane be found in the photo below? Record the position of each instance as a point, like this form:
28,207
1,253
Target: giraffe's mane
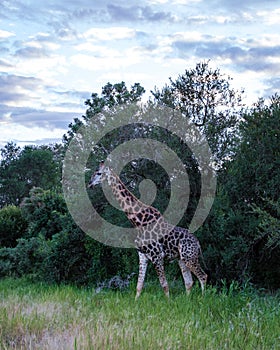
130,193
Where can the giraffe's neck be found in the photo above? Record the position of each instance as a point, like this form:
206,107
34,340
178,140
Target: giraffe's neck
139,214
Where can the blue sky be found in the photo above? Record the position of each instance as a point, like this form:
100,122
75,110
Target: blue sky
54,54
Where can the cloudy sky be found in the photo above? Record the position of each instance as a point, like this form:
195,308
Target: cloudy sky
54,54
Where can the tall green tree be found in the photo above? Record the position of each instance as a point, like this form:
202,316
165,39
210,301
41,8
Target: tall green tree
21,170
112,95
45,212
242,232
253,173
206,98
13,226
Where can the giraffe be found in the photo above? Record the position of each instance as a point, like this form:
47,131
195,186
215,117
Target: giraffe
156,240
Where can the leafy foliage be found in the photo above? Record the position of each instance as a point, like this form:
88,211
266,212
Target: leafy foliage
269,225
112,95
12,225
20,170
244,223
26,258
206,98
253,174
53,248
45,211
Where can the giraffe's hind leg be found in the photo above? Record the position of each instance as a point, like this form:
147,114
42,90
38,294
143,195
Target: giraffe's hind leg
143,263
196,269
159,267
187,276
189,254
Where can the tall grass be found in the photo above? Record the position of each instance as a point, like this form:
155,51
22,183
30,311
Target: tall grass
41,316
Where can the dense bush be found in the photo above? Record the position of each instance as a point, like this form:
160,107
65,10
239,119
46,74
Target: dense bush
13,225
21,170
45,211
55,249
24,259
241,236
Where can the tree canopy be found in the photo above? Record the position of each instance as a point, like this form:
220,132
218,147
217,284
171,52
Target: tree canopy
23,169
205,96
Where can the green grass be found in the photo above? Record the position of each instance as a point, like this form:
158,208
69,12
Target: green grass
41,316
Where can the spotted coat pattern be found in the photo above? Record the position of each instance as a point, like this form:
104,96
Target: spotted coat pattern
157,240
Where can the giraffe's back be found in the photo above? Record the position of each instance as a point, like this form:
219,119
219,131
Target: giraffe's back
170,244
180,241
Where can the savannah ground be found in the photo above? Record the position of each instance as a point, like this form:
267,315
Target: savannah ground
42,316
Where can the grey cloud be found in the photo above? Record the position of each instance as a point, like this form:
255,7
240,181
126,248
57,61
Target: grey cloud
88,13
19,9
238,6
5,64
62,30
81,95
31,52
182,47
62,17
272,86
273,83
31,117
24,50
221,49
43,118
273,51
8,83
10,96
258,65
254,58
137,13
4,50
107,11
10,80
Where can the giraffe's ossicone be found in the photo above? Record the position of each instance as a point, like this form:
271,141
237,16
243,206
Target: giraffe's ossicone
157,240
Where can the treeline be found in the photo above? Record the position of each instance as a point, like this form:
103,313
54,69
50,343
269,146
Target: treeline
241,236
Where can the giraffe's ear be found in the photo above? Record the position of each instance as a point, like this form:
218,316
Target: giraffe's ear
101,167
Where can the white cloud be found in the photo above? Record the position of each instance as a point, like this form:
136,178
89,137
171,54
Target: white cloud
21,133
264,40
269,17
110,33
189,36
116,60
184,2
43,45
4,34
47,69
98,49
92,63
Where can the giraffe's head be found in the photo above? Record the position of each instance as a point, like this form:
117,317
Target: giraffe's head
99,175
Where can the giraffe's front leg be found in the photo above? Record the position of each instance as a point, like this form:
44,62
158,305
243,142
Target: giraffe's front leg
143,263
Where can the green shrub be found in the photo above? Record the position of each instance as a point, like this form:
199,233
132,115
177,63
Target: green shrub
24,259
12,226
